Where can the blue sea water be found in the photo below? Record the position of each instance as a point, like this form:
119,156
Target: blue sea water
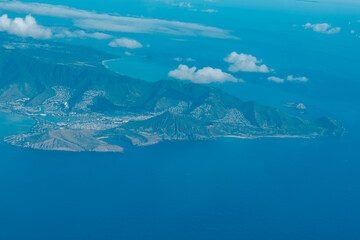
273,189
225,189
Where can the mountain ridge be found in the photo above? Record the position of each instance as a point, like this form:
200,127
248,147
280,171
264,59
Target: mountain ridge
50,81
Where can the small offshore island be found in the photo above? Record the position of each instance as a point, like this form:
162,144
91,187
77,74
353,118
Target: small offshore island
80,105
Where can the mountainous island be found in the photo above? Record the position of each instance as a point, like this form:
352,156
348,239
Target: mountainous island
80,105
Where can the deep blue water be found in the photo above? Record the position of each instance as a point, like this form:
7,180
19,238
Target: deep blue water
225,189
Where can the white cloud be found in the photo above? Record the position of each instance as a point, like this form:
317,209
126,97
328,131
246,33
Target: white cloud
178,59
245,63
82,34
24,27
105,22
209,10
9,47
301,106
184,4
204,75
28,27
126,43
297,79
276,79
289,78
322,28
189,6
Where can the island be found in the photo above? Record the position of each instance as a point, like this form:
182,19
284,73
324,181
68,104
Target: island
80,105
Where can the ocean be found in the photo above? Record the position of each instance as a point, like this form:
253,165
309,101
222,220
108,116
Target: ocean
224,189
228,189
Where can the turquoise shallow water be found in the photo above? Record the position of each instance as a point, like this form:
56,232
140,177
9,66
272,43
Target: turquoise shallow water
139,68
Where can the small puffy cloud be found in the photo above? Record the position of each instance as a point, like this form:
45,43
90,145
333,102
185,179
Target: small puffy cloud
276,79
209,10
245,63
352,31
322,28
204,75
299,106
184,4
178,59
126,43
291,78
24,27
82,34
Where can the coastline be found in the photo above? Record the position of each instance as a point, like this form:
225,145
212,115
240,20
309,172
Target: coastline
273,136
103,62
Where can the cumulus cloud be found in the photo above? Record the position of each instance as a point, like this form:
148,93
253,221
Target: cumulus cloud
106,22
28,27
126,43
297,79
204,75
299,106
82,34
289,78
276,79
24,27
245,63
322,28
